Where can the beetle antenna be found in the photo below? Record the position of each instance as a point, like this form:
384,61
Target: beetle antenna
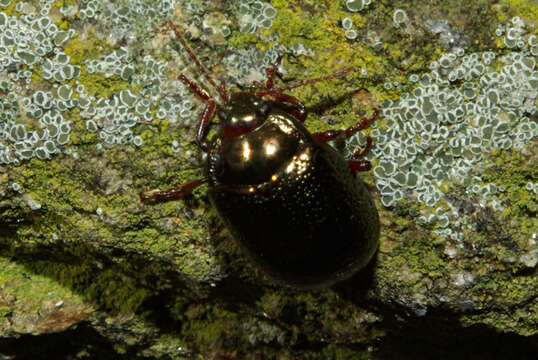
312,81
221,89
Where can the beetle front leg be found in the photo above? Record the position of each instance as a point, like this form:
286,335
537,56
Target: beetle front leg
207,114
203,126
359,165
179,192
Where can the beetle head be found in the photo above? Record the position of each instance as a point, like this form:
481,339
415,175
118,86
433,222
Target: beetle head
243,113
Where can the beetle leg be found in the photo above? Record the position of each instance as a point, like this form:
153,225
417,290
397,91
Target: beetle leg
195,88
179,192
258,85
334,75
300,113
354,163
359,165
221,89
270,72
205,120
333,134
207,114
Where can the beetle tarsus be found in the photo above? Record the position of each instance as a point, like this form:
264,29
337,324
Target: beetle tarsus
194,87
333,134
270,72
359,165
361,152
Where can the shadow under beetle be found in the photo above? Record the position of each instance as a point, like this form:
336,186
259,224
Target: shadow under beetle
291,201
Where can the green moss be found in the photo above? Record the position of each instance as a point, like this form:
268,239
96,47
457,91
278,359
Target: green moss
518,311
168,344
12,273
343,353
80,50
525,9
25,292
98,84
211,326
513,170
107,288
240,41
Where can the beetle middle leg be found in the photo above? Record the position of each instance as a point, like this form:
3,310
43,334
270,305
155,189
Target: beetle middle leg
354,163
278,95
203,126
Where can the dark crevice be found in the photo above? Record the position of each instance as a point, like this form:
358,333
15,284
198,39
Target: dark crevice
69,344
449,340
439,335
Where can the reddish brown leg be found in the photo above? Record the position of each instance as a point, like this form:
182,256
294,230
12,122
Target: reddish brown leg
259,85
354,163
205,120
301,112
195,88
359,165
270,72
334,75
207,114
221,89
179,192
333,134
279,96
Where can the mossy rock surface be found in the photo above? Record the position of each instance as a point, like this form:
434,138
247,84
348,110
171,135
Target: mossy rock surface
87,270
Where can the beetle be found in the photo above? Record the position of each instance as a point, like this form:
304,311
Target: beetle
291,201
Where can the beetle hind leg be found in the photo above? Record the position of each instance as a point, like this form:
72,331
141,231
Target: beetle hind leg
333,134
170,194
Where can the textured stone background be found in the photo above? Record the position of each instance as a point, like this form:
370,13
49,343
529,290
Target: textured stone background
92,114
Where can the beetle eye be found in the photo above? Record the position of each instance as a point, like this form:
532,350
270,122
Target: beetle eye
264,109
